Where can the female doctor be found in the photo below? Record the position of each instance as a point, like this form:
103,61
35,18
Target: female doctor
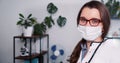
93,23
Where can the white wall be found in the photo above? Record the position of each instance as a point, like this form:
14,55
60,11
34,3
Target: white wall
67,36
115,28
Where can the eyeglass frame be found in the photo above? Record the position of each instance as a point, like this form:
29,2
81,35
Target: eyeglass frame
86,20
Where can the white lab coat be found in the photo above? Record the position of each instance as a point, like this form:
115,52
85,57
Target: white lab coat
108,52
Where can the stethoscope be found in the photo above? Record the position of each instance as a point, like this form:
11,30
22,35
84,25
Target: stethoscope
95,51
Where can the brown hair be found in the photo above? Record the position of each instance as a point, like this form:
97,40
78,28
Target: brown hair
105,18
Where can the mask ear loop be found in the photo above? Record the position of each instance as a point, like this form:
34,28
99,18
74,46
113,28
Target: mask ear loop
102,30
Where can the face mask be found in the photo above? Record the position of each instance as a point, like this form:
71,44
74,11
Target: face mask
90,33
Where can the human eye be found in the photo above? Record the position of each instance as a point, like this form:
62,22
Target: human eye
95,21
82,19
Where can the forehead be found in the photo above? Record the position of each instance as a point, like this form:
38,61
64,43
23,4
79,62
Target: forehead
90,13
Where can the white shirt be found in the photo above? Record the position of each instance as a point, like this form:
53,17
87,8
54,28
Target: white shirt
108,52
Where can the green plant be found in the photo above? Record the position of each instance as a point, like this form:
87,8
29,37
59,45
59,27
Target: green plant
48,22
61,21
26,22
51,8
39,29
114,8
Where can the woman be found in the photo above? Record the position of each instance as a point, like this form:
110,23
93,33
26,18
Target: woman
93,23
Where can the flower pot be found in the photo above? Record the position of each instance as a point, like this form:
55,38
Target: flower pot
28,31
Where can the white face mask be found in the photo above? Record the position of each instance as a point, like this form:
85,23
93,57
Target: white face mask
90,33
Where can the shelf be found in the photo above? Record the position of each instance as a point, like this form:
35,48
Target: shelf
31,39
33,36
115,37
35,55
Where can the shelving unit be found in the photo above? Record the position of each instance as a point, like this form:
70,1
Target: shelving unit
34,55
113,37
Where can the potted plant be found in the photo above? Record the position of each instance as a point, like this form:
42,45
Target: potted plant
114,8
27,24
40,29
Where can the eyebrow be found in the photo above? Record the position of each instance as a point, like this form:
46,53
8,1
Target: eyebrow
89,19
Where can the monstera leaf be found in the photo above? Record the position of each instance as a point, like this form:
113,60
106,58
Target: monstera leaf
51,8
61,21
49,21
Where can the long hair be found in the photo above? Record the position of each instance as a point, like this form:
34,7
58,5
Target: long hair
76,52
105,18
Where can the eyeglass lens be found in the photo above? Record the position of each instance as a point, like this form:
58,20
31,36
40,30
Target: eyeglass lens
93,21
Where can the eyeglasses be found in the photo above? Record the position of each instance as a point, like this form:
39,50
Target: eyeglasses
93,21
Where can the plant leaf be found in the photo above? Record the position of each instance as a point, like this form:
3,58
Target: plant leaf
19,22
29,16
49,21
33,20
39,29
51,8
21,15
61,21
119,14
